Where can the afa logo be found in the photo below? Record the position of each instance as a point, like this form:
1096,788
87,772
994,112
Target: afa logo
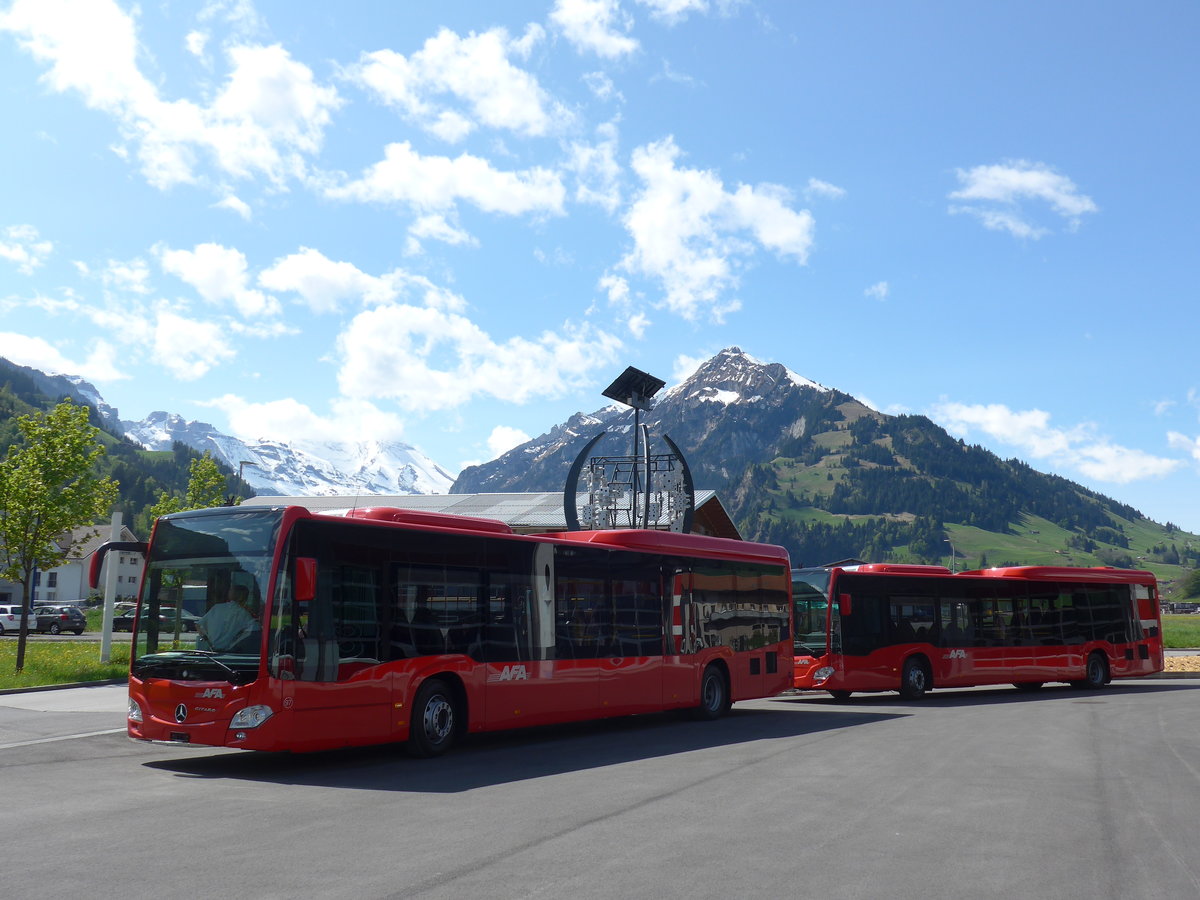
212,694
514,673
957,654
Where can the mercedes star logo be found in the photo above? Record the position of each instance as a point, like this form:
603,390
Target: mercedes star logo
180,713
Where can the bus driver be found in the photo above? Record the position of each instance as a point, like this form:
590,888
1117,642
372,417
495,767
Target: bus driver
228,622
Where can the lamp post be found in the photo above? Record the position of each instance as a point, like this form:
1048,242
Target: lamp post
951,543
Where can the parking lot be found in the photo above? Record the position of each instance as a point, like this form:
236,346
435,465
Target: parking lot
972,793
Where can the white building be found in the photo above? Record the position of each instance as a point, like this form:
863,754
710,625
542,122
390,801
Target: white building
68,583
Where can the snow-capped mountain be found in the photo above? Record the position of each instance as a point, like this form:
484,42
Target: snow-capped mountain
733,410
301,468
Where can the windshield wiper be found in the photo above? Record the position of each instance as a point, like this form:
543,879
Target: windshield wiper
162,660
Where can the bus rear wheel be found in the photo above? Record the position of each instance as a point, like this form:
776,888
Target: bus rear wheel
434,722
714,695
915,680
1095,675
1028,685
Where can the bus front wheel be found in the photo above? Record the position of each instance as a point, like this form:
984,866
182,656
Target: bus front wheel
840,696
714,695
915,680
434,720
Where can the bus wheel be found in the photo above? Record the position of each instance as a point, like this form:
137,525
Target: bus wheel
914,680
434,720
1095,675
714,695
1028,685
841,696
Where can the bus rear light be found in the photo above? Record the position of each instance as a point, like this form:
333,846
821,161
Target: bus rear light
251,717
822,675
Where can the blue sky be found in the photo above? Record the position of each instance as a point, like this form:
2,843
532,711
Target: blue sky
453,224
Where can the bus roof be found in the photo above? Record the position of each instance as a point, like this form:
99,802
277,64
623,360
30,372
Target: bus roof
674,542
1068,573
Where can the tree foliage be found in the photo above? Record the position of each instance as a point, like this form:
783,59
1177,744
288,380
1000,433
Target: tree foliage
205,489
49,486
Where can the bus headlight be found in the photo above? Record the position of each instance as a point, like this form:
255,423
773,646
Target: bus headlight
822,674
135,711
251,717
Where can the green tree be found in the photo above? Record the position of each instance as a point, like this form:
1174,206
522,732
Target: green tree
49,486
1189,587
206,488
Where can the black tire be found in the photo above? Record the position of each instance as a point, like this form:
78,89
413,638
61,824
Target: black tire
78,631
54,629
1,630
915,680
1095,675
435,720
1028,685
840,696
714,695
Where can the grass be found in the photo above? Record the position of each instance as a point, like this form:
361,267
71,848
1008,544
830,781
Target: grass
1181,632
60,662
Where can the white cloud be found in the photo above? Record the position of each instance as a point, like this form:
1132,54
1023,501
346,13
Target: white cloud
1185,443
195,42
436,227
266,118
426,358
289,419
878,291
818,188
684,225
99,365
20,245
235,204
638,324
219,274
188,348
602,86
672,12
597,170
325,284
685,366
475,70
432,183
132,276
998,195
503,438
595,26
1078,448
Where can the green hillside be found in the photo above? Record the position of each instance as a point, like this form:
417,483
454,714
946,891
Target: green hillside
899,488
142,474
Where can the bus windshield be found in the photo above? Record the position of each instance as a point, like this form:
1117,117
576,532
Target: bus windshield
810,619
201,607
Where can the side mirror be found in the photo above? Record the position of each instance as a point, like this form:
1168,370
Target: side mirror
844,605
104,549
306,579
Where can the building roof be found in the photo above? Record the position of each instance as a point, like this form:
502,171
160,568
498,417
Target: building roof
526,513
85,539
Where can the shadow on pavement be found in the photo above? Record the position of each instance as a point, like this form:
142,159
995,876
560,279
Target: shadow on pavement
511,756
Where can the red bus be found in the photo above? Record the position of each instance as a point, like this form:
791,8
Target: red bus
380,625
882,627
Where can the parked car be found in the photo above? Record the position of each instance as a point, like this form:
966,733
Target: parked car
57,619
123,620
123,617
10,618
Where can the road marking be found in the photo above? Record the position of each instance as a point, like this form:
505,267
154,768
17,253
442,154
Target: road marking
65,737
